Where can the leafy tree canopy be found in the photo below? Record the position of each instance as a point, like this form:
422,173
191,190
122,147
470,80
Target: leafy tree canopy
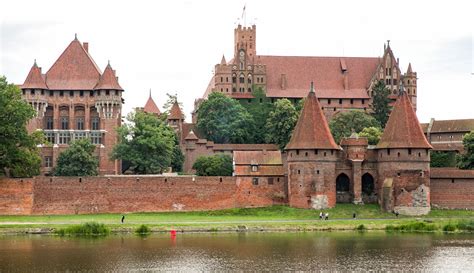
281,122
225,120
440,159
19,155
215,165
372,134
77,160
147,143
466,160
380,103
345,123
259,109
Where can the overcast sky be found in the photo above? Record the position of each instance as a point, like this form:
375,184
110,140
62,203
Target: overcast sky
172,46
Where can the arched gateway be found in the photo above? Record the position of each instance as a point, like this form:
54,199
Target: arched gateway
343,194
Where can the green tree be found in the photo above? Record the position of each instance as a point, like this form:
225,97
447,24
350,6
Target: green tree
466,160
380,103
259,109
280,123
77,160
441,159
225,120
372,134
177,159
215,165
146,143
19,155
345,123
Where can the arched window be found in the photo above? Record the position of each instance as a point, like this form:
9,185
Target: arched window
249,78
242,78
234,78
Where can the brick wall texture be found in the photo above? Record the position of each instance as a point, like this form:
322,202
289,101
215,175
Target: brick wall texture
453,193
121,194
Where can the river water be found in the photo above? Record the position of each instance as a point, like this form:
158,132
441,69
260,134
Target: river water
340,251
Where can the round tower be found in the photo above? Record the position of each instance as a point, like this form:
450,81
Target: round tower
312,154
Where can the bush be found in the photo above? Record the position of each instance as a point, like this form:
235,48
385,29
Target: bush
87,229
467,225
361,227
142,230
449,227
412,227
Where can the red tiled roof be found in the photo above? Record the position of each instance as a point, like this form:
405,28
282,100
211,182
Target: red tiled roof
448,146
175,112
73,70
34,80
312,130
245,147
325,71
191,136
354,141
150,106
455,125
108,80
451,173
257,157
403,129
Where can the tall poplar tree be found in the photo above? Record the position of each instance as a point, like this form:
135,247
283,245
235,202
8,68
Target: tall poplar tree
380,103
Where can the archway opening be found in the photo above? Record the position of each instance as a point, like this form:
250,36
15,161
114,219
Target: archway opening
368,189
343,194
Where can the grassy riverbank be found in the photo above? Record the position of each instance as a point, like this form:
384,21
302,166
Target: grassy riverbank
253,219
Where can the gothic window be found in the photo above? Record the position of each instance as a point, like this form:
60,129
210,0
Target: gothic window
80,123
51,93
394,81
329,101
32,91
241,65
234,78
79,135
249,89
50,137
255,181
242,78
226,79
249,80
64,137
49,123
61,93
71,93
81,93
107,92
91,93
64,123
340,101
234,89
95,123
222,79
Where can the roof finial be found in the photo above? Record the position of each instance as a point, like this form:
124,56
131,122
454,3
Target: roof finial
108,62
311,90
75,36
388,43
35,62
150,93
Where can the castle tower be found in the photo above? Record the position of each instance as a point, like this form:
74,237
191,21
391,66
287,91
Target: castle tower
151,107
404,162
176,119
312,156
409,81
34,89
245,39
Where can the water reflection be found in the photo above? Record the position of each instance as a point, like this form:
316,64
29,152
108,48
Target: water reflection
239,251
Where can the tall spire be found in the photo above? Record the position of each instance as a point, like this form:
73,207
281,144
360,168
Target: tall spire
223,61
150,106
409,70
312,130
403,129
34,80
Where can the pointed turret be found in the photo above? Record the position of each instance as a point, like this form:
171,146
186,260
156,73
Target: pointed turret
191,136
409,70
403,129
108,80
223,61
34,80
175,112
151,107
312,130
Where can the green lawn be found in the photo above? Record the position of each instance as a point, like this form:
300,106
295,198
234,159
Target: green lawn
342,212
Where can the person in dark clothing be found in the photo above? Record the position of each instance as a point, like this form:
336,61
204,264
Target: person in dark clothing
123,218
354,215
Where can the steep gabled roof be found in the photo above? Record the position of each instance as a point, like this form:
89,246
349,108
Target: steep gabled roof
34,80
326,71
175,112
151,107
403,129
191,136
409,70
73,70
108,80
312,130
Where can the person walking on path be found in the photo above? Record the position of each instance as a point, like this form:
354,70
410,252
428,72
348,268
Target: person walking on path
354,215
327,216
321,215
123,218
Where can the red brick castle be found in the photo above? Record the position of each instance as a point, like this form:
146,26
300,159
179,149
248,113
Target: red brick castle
344,83
75,100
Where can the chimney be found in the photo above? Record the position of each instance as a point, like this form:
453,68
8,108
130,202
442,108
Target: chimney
86,46
283,81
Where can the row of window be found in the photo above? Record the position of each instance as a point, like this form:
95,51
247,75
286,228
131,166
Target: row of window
64,123
351,101
399,154
64,137
316,152
270,181
72,92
